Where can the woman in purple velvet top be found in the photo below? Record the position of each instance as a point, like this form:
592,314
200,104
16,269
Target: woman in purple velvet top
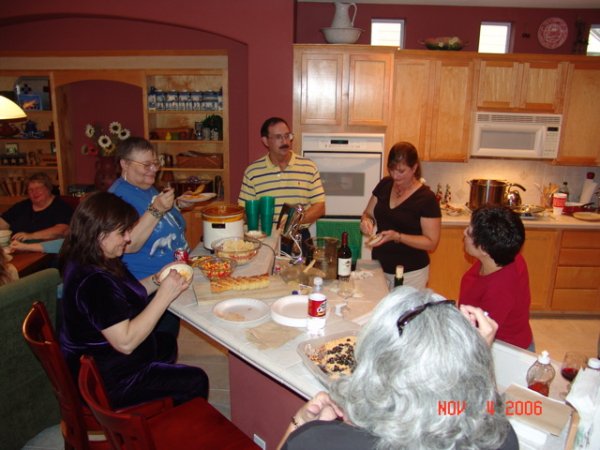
107,314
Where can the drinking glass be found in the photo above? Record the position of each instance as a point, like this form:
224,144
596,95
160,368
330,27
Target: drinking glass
346,288
572,362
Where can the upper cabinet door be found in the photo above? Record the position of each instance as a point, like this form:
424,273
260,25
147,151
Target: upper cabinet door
452,111
536,86
370,88
321,81
580,131
498,84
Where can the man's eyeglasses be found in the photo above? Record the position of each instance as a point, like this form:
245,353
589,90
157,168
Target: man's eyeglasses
156,165
405,318
283,137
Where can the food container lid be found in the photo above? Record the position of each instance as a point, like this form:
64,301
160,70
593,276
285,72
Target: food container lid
222,212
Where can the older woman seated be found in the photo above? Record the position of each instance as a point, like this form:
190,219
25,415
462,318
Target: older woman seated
416,353
107,312
42,216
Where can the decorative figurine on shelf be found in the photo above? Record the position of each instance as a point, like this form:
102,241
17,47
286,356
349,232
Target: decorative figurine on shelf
29,130
438,193
447,195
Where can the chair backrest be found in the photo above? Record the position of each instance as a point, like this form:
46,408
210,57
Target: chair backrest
126,431
77,419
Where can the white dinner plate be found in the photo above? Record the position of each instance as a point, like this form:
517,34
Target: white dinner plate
290,310
589,216
241,311
197,198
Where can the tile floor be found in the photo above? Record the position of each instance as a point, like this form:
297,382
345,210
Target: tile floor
552,334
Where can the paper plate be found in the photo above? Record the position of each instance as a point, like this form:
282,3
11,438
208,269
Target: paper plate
589,216
290,310
241,311
197,198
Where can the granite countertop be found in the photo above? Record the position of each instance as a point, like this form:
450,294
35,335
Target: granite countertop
546,221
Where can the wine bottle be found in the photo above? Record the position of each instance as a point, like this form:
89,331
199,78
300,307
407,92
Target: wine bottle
344,255
399,276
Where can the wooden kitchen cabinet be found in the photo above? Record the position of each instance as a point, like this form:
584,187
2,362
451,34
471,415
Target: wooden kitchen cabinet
342,88
536,86
539,252
448,263
577,283
433,106
580,138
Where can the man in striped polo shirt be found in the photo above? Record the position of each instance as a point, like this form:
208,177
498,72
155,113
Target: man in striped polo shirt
290,178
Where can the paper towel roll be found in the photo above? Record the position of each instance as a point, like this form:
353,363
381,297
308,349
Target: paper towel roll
589,187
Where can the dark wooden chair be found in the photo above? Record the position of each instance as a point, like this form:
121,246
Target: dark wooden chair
191,425
80,429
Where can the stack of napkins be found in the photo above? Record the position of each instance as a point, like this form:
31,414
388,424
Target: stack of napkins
585,398
535,417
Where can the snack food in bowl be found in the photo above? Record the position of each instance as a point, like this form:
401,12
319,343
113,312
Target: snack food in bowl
214,267
241,249
183,269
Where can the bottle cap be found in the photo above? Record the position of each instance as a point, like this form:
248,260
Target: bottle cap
544,358
594,363
399,271
590,175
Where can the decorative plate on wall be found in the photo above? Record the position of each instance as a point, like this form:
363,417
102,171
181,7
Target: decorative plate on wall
553,32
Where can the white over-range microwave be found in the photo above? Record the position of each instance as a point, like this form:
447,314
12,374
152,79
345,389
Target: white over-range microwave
516,135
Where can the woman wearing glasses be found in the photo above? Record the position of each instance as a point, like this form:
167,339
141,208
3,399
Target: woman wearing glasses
161,228
394,398
407,215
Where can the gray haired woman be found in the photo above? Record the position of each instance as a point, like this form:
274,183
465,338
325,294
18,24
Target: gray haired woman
417,356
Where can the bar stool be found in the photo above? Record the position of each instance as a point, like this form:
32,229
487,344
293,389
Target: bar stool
192,425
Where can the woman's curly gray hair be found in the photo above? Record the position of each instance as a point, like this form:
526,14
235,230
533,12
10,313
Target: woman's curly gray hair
400,381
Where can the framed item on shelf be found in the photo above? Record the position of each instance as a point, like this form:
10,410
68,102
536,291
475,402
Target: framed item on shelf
11,149
30,102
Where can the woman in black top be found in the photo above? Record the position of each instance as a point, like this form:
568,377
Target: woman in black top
406,214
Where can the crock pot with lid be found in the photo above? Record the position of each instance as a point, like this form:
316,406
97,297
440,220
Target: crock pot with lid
221,221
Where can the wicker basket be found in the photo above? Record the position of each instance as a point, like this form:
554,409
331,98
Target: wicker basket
205,161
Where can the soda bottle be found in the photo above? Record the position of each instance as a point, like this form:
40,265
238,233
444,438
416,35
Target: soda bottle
317,309
541,374
344,256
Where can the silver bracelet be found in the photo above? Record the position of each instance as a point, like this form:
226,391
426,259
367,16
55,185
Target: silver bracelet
155,212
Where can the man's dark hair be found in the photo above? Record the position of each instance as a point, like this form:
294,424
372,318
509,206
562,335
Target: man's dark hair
499,231
264,130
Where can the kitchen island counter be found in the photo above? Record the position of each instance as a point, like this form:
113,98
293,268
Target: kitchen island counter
269,383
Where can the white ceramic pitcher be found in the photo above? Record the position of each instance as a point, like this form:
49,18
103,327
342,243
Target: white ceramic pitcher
342,15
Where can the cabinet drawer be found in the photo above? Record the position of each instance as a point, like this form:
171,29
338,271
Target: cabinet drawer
581,239
576,300
579,257
577,277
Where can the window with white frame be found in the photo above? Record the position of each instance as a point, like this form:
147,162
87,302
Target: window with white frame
593,48
387,32
494,37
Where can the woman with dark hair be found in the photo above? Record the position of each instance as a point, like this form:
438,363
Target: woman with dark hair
107,313
498,281
42,216
407,217
416,352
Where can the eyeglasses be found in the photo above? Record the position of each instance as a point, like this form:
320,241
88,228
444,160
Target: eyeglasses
283,137
405,318
156,165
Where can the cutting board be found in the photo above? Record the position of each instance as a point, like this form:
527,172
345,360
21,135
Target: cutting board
277,288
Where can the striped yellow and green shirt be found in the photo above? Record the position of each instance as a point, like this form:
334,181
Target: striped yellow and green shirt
299,183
